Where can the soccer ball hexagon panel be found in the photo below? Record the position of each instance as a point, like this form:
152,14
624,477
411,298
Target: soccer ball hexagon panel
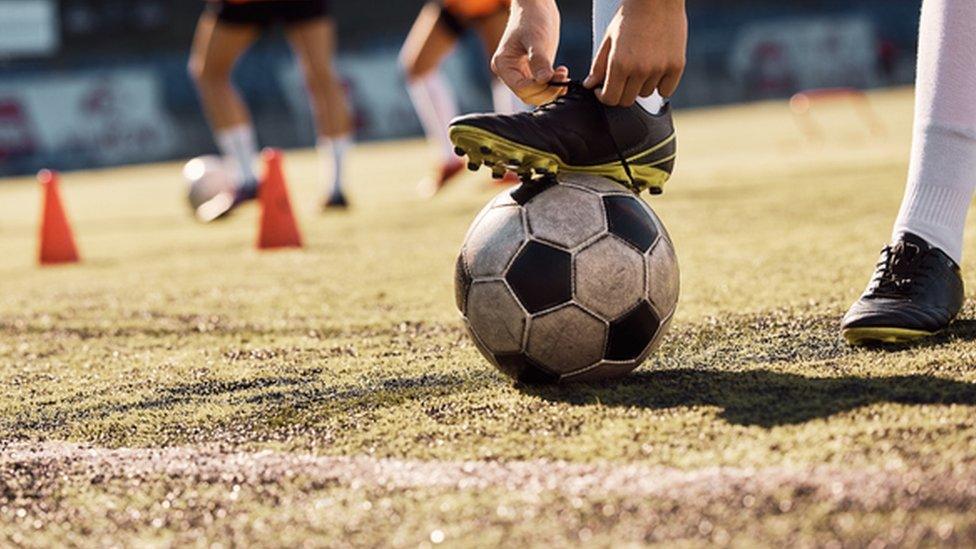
573,279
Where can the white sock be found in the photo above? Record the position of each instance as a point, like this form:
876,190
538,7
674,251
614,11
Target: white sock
603,12
238,146
942,171
435,104
504,99
332,152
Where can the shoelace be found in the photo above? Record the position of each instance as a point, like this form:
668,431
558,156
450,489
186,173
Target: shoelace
899,270
574,91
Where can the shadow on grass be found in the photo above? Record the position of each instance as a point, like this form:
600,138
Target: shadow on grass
761,397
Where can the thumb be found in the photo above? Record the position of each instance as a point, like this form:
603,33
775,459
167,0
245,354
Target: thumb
541,66
598,72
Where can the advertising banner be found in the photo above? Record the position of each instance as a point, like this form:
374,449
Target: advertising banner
98,118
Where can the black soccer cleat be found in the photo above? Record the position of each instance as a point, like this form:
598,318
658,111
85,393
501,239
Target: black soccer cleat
574,133
916,291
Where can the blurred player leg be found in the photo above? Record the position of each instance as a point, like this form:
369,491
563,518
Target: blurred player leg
433,36
216,49
314,43
917,289
603,12
490,29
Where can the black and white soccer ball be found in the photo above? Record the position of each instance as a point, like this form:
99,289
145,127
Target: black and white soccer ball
567,280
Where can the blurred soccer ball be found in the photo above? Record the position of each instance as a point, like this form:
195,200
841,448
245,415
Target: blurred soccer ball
575,280
206,178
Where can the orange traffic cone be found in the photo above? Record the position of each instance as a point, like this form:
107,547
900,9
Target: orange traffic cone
278,227
57,240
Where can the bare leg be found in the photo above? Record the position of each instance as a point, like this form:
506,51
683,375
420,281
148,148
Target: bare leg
429,42
314,44
216,49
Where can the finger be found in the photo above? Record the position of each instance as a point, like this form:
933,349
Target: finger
538,94
561,75
631,89
613,86
649,87
541,66
598,70
512,70
669,83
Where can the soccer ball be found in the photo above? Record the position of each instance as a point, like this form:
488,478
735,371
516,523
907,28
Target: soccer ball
567,280
206,177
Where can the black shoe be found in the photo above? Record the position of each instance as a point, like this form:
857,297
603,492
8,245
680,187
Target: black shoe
574,133
335,201
916,291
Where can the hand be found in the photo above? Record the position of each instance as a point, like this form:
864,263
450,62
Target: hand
643,51
524,60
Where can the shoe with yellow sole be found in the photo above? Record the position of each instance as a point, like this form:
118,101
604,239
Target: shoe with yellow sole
916,291
574,133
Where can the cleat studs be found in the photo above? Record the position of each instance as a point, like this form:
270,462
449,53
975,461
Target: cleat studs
514,162
655,190
485,150
473,166
459,151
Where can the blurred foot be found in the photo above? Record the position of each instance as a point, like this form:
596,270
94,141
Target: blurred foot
429,186
221,205
915,292
335,201
574,133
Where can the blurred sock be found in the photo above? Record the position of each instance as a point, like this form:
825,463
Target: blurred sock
436,106
503,99
332,152
942,171
603,12
238,146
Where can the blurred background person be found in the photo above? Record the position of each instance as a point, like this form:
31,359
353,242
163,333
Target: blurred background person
226,29
433,36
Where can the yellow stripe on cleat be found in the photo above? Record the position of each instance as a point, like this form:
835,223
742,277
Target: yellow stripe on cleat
862,336
475,140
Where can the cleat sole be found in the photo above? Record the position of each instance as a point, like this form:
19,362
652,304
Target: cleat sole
484,147
866,336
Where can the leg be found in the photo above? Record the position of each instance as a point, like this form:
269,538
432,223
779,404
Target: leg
917,288
216,49
314,44
942,171
490,29
430,40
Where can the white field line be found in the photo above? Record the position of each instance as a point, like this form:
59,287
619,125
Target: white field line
81,463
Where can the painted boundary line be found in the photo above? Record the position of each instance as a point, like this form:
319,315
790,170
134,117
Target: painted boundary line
78,463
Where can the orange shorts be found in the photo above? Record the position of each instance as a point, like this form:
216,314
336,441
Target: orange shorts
473,9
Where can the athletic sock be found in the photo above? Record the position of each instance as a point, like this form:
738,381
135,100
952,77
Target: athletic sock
435,104
332,153
603,12
238,146
942,170
504,99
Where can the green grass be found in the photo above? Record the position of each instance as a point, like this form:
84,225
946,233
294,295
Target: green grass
170,333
